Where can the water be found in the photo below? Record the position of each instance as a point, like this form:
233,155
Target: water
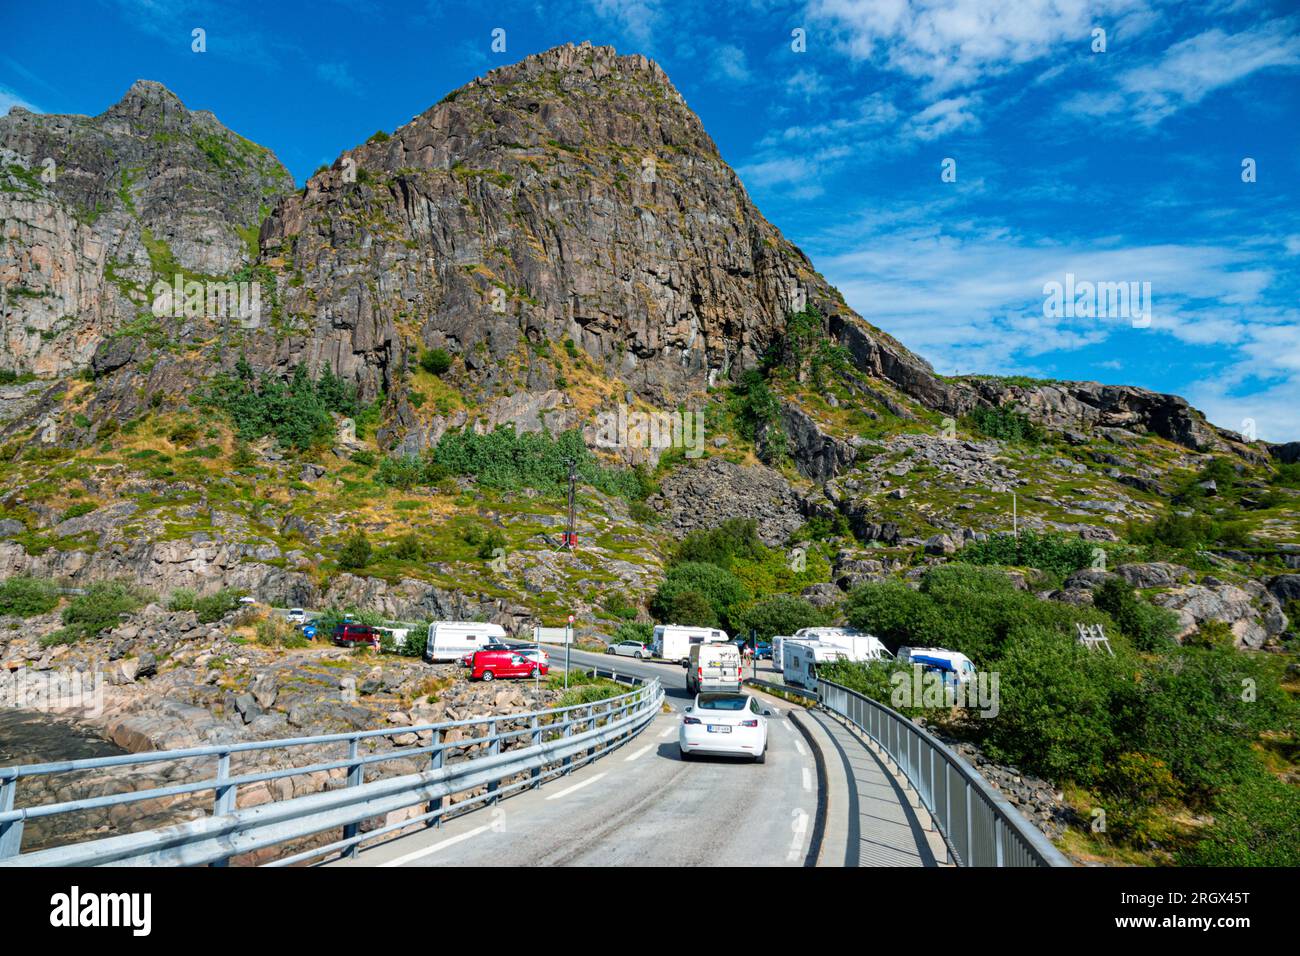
30,737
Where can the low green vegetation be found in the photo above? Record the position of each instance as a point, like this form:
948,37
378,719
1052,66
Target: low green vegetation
435,361
209,608
1001,422
296,412
103,606
1056,554
25,596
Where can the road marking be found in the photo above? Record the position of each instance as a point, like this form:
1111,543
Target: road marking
799,826
785,725
667,732
429,850
807,779
579,786
798,745
639,753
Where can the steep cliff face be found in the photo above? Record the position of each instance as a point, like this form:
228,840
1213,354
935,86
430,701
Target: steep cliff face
574,196
95,209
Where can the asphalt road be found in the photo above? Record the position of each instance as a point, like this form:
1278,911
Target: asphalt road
641,805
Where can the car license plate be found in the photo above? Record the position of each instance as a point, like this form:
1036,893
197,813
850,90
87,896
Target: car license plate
719,729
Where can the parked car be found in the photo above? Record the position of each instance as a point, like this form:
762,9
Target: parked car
489,665
296,615
494,646
534,654
733,725
635,649
309,629
763,651
246,600
351,634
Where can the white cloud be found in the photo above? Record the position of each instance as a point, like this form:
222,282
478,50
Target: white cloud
944,117
637,18
1191,69
958,43
729,64
10,99
338,75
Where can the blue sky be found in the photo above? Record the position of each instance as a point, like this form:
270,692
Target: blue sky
1115,166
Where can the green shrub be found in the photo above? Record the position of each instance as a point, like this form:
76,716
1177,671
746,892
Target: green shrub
719,589
633,631
409,547
1056,554
296,412
1255,824
101,607
782,614
356,552
409,471
1150,628
182,599
491,543
79,509
25,596
616,605
1140,791
733,538
435,361
214,607
1003,423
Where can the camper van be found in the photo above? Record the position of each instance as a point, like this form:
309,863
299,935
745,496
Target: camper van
953,665
672,642
452,640
859,645
714,666
800,659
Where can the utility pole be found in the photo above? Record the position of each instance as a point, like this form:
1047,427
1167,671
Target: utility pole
1015,517
570,536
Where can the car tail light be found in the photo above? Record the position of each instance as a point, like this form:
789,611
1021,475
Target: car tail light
690,720
749,723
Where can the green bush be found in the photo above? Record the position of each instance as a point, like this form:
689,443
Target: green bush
356,552
782,614
617,606
182,599
1150,628
633,631
717,587
409,471
490,543
296,412
101,608
1056,554
1255,824
1173,531
410,547
25,596
435,361
79,509
733,538
214,607
1003,423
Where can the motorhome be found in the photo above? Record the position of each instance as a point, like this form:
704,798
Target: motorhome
953,665
451,640
859,645
672,642
715,666
800,659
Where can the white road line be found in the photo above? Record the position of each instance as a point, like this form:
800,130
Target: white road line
807,779
799,826
429,850
798,745
639,753
785,725
668,731
579,786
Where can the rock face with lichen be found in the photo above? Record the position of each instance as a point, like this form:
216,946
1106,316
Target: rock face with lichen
95,209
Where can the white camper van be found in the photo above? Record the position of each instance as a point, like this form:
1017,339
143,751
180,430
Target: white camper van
953,665
672,642
858,645
452,640
800,659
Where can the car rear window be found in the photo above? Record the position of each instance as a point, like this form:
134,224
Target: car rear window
722,702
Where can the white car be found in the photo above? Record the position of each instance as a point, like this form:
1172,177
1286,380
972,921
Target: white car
733,725
533,654
296,615
629,649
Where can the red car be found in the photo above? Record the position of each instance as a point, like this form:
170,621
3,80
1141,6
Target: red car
349,634
489,665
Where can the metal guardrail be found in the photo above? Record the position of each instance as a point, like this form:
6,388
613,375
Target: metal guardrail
977,823
787,689
559,740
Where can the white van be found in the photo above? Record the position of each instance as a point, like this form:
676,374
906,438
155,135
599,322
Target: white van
800,660
452,640
714,666
672,642
953,665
